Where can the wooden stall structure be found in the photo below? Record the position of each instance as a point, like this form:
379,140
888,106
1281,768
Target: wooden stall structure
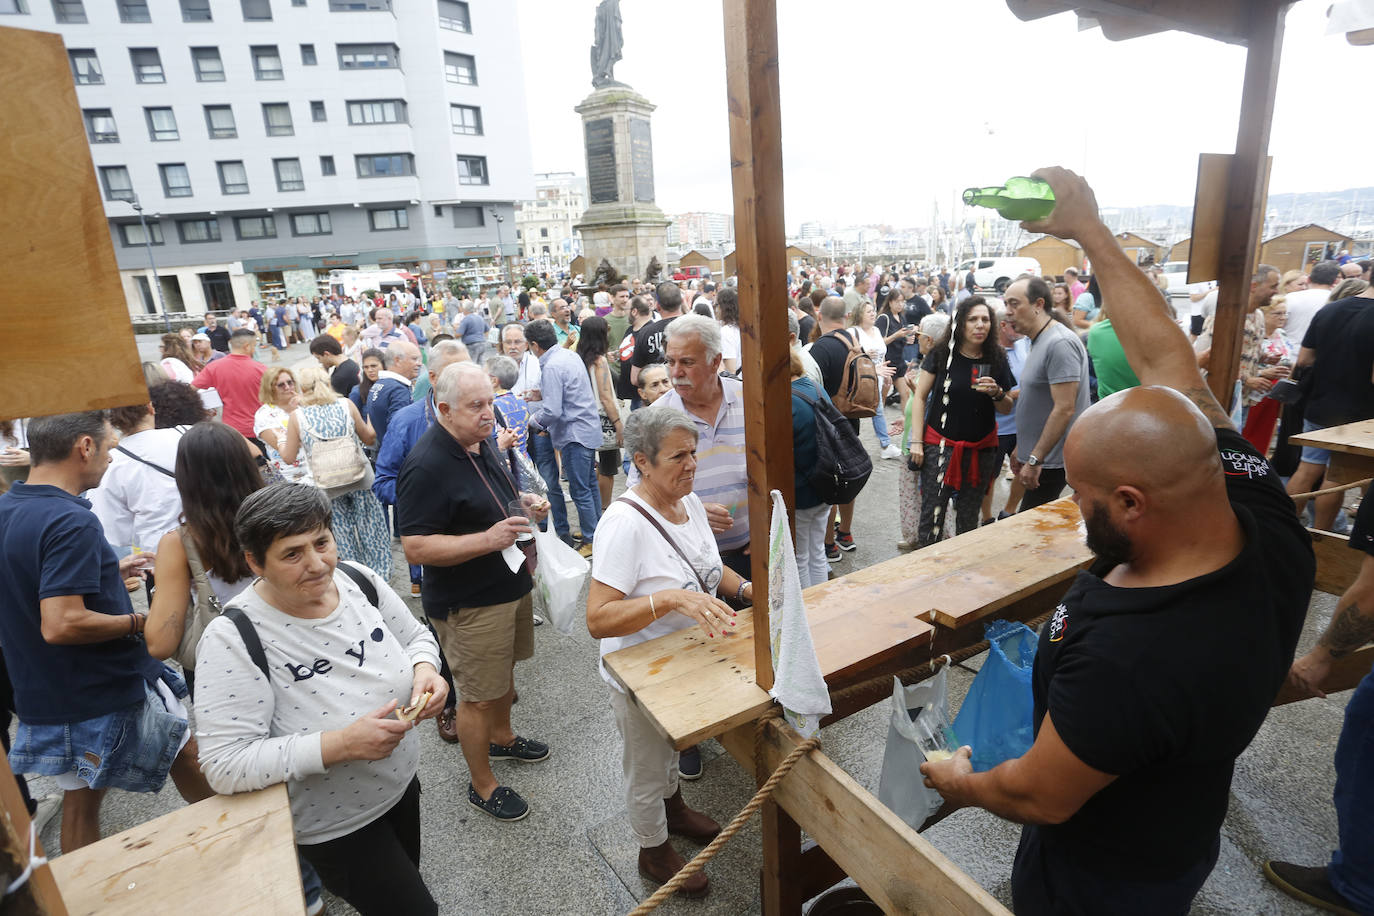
914,607
1055,255
1299,249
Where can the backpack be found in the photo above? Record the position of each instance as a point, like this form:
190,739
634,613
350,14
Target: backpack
842,463
204,606
857,396
337,463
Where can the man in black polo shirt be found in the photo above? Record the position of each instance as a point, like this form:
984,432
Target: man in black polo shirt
452,497
1159,665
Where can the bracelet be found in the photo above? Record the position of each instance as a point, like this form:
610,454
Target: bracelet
133,624
652,609
739,592
1000,395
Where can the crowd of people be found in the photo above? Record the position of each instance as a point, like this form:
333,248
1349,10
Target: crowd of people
260,506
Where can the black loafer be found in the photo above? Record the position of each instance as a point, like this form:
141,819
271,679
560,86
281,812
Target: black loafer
525,750
504,805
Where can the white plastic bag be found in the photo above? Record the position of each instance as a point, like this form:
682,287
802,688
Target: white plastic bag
558,578
901,786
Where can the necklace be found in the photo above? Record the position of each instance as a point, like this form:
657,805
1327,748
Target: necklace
1049,319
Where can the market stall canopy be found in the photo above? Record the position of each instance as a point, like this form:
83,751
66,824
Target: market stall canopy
1353,17
1224,20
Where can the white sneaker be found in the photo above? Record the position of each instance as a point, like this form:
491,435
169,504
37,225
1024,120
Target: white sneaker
891,452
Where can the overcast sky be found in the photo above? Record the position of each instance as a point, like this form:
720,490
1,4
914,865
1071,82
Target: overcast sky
890,108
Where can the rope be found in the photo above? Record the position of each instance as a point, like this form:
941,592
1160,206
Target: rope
1340,489
764,793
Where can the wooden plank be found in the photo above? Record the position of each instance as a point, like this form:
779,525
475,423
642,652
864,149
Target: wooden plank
56,223
1347,468
779,890
1346,673
1350,438
38,896
1337,565
1209,213
229,854
894,864
1245,194
755,115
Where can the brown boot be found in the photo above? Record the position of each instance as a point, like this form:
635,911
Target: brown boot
659,863
684,822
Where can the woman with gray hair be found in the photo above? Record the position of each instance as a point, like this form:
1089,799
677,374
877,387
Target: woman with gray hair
656,570
515,410
298,682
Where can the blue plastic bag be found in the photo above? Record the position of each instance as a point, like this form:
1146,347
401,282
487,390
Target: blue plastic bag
996,718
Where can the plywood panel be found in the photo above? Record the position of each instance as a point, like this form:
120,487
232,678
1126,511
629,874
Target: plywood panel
68,344
1351,438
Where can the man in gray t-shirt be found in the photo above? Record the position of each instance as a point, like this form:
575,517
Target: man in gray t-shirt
1054,390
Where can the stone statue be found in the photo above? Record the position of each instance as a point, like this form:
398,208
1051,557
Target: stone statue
605,273
655,272
607,45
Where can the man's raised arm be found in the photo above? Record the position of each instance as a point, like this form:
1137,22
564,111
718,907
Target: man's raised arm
1155,346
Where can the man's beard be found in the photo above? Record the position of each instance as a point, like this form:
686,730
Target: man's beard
1104,539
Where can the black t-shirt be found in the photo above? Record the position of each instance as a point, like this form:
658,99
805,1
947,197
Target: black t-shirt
830,354
1164,687
344,377
1342,334
805,324
651,342
1362,532
888,323
440,491
624,354
219,338
971,414
916,309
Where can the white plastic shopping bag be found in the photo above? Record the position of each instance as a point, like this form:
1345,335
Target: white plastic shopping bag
917,712
558,579
797,680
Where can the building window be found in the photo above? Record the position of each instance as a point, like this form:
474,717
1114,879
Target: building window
369,57
15,7
359,6
311,224
256,10
233,179
85,67
289,175
219,119
131,234
70,11
317,111
198,230
298,2
134,11
326,166
385,165
454,15
248,228
308,56
543,232
467,119
468,217
277,117
209,68
266,62
100,125
176,181
195,11
386,220
117,184
147,65
460,68
377,111
472,170
162,124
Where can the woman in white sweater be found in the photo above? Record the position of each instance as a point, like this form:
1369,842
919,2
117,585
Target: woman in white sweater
312,705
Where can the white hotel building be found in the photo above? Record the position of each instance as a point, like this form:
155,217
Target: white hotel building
276,140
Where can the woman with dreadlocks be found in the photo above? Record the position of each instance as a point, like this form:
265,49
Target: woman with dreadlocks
969,374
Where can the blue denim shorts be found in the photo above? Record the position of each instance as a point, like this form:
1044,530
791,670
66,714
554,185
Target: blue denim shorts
1314,455
131,748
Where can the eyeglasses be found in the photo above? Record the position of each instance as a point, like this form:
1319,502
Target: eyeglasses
286,383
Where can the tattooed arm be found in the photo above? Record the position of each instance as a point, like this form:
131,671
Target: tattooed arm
1351,627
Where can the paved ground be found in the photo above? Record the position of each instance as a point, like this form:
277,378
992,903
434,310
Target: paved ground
573,854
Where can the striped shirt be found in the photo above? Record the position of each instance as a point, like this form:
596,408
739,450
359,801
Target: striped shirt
722,476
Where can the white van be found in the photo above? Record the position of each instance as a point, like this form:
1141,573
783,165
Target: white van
997,273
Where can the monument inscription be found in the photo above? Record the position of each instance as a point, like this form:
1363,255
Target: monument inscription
601,179
642,160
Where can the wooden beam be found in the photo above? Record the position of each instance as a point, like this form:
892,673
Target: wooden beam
38,896
1245,195
1337,564
1346,673
898,868
751,84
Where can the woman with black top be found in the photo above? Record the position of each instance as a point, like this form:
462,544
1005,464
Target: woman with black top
959,432
892,324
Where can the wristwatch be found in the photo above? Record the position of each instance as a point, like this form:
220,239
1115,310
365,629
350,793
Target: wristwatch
1032,462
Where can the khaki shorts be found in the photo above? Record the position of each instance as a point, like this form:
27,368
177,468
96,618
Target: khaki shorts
482,644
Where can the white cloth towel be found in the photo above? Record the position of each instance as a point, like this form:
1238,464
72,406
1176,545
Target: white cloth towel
797,681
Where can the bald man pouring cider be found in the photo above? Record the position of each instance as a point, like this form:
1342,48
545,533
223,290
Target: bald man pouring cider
1161,661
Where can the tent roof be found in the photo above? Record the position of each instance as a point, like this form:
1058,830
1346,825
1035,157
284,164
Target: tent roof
1224,20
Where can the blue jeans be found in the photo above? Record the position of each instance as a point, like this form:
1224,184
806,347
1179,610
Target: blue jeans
880,426
541,450
580,463
1352,865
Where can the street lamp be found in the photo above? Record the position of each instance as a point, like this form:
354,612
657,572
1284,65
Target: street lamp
501,254
148,244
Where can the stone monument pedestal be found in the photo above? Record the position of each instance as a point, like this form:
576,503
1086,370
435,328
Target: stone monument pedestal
621,224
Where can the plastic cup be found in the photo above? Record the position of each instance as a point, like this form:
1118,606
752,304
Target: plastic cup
523,507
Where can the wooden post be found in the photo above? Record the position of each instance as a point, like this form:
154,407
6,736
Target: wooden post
751,62
1245,203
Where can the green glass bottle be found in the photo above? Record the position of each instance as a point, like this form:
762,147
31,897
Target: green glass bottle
1018,199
